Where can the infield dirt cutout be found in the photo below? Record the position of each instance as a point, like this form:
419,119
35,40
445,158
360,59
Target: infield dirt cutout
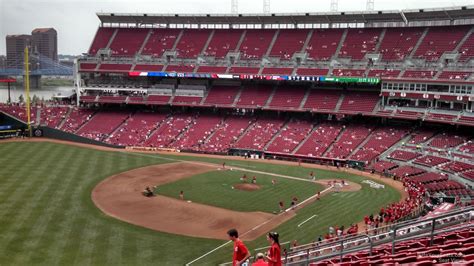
120,196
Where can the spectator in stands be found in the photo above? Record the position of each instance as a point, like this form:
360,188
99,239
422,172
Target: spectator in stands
274,253
260,260
241,253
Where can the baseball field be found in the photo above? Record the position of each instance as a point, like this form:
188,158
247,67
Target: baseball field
63,204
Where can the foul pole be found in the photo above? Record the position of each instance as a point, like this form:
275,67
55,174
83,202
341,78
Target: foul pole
27,90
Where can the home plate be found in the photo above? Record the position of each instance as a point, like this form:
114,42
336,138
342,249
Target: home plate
189,201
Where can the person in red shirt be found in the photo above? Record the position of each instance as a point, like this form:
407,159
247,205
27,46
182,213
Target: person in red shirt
260,261
241,253
274,253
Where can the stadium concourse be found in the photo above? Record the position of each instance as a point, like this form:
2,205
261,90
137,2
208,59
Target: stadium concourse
386,92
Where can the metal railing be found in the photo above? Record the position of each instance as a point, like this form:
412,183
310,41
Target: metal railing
390,234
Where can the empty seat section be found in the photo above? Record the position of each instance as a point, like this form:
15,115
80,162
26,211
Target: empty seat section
254,96
211,69
160,40
288,42
359,42
290,136
405,171
421,136
169,130
102,38
383,166
467,49
244,70
150,68
430,160
319,140
222,42
53,116
379,141
348,72
323,44
403,155
192,43
115,67
311,72
127,42
421,74
446,140
187,99
398,43
136,129
226,134
439,40
288,97
102,124
158,99
355,101
76,119
322,99
180,68
112,99
456,75
352,136
256,43
87,66
277,71
136,100
197,132
384,73
260,134
222,95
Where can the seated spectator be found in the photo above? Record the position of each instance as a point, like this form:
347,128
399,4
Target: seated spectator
260,260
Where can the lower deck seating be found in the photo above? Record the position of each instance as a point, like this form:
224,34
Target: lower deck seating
351,137
197,132
260,134
102,124
136,129
290,136
226,134
320,140
169,130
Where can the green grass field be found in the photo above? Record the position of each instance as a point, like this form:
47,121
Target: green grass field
215,188
47,216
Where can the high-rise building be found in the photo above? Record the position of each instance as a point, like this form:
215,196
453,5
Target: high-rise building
45,42
15,50
3,62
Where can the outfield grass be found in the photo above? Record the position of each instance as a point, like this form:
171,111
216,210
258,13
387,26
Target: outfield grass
215,188
47,215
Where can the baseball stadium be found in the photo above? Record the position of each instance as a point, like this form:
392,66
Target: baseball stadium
347,135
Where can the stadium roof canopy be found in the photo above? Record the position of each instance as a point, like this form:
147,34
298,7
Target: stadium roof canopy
366,17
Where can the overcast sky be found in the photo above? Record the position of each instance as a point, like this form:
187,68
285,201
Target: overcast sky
76,22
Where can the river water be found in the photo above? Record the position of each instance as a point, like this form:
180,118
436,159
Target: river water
46,92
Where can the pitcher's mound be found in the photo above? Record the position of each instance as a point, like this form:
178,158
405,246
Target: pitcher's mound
247,187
